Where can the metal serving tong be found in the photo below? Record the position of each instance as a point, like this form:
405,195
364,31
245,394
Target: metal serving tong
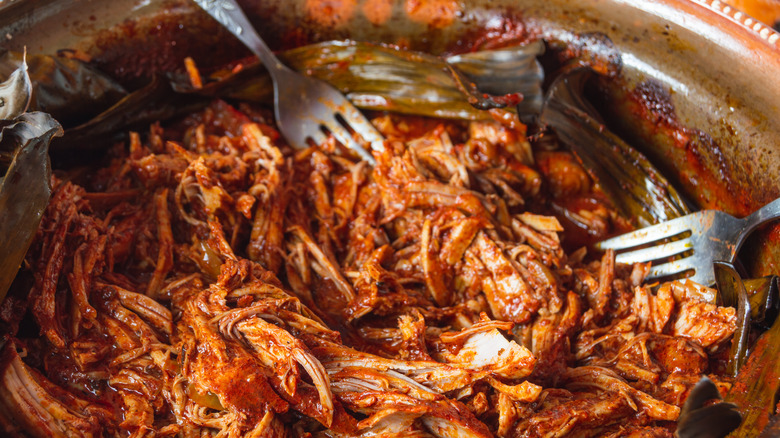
692,242
305,108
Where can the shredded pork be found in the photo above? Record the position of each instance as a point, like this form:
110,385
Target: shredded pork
210,281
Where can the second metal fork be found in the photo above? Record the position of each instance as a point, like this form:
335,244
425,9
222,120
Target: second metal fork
689,243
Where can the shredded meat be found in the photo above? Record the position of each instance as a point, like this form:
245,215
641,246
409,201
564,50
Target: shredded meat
210,281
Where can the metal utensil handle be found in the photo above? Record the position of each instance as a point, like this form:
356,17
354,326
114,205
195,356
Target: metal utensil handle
763,214
750,223
229,14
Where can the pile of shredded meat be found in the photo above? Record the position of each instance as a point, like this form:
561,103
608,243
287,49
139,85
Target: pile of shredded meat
211,281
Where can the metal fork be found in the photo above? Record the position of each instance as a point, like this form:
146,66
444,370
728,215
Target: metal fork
305,108
689,243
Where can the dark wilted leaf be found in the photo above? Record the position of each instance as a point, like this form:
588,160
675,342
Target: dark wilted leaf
373,77
70,90
626,176
15,91
700,418
732,294
756,387
763,295
154,102
24,190
382,78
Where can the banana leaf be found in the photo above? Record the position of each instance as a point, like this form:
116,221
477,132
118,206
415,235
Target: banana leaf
763,295
69,89
732,293
15,92
700,417
24,162
24,189
755,389
756,386
373,77
156,101
634,185
757,380
382,78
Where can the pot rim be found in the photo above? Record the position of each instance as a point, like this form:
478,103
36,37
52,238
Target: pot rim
755,27
750,32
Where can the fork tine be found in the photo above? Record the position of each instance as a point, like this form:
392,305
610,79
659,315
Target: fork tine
317,136
647,235
296,138
671,268
655,252
358,122
298,100
345,137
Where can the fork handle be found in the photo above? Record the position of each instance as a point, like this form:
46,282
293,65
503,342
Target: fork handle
763,214
229,14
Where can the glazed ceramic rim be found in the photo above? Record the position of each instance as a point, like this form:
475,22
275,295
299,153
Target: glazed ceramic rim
745,21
